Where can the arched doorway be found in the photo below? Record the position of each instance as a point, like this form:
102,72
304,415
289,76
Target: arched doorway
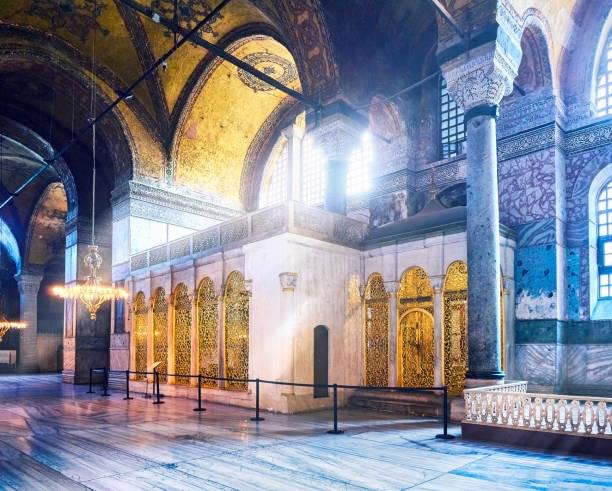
208,332
182,334
415,330
160,332
140,335
236,307
455,326
376,332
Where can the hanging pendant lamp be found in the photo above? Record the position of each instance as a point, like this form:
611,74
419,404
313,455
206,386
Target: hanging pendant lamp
92,293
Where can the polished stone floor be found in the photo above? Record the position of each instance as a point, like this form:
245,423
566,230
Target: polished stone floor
55,436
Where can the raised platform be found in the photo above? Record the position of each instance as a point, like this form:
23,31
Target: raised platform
426,404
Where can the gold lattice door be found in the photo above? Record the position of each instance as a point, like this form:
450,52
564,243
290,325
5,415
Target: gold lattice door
376,333
416,332
160,332
455,340
182,334
208,338
140,335
236,331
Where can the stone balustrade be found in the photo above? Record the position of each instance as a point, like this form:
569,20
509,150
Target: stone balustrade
288,217
511,405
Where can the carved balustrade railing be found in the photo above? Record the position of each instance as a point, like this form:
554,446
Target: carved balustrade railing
290,216
511,405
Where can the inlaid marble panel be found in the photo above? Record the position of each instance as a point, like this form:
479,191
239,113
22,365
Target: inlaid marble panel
536,363
589,364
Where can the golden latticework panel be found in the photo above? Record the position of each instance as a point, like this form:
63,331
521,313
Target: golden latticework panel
236,310
208,331
455,327
416,349
376,332
415,291
160,332
182,334
140,334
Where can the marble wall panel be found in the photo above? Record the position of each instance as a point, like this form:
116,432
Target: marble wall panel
536,282
573,283
589,364
535,363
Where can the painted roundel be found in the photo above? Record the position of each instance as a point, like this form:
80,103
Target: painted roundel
272,65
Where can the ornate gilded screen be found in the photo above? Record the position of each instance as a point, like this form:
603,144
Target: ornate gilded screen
236,310
455,327
208,332
140,334
415,330
182,333
376,332
160,331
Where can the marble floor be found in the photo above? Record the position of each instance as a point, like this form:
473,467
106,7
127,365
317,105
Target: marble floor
55,436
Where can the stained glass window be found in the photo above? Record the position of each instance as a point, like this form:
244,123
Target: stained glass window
603,90
452,130
604,240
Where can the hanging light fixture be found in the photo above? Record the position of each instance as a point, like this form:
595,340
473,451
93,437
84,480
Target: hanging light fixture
92,293
5,324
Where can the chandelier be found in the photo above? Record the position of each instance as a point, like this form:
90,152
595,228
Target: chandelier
5,325
92,293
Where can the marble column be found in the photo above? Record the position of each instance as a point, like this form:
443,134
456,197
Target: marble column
294,135
28,284
477,81
391,287
337,135
437,283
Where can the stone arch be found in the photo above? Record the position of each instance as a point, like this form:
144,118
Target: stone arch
182,334
207,305
376,332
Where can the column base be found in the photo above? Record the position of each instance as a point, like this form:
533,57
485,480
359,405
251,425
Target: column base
482,379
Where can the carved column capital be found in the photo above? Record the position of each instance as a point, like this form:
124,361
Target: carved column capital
28,283
437,283
248,286
288,281
391,287
337,135
293,131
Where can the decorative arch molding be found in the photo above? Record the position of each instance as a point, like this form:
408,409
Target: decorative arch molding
578,63
35,143
536,26
9,242
30,45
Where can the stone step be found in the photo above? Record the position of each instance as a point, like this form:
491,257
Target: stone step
428,405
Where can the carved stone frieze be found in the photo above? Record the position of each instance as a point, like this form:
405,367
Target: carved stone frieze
288,281
28,284
337,135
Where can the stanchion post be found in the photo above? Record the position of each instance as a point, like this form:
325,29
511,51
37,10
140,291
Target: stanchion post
105,382
199,408
90,391
156,382
257,417
445,410
335,431
127,386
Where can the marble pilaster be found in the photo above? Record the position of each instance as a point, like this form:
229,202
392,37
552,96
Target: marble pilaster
391,287
437,283
288,283
28,284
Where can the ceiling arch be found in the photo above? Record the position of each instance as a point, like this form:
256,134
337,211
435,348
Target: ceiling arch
225,114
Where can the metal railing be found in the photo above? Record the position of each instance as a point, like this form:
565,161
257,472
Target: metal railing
257,381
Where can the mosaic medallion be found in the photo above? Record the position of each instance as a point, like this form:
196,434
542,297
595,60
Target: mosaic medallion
272,65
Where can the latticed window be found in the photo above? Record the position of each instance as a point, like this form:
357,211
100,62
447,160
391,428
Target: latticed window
358,172
274,185
604,241
452,130
314,173
603,90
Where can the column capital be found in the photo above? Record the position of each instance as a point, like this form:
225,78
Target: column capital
293,131
28,283
337,135
288,281
248,286
437,283
391,287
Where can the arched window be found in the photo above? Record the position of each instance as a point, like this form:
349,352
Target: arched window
274,182
604,241
603,88
314,173
452,130
358,172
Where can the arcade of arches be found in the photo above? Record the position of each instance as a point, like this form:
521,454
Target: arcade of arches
457,233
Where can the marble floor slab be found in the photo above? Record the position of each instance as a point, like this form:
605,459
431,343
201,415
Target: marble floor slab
56,436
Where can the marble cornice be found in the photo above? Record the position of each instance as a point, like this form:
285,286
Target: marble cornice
151,195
